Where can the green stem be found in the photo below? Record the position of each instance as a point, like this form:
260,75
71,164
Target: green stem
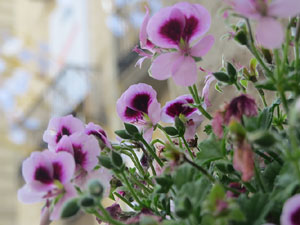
153,154
187,147
201,169
134,195
135,162
262,96
279,80
196,93
165,133
124,200
198,103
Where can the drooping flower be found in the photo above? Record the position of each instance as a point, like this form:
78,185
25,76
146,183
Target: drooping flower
138,105
205,92
291,211
98,132
84,149
243,160
59,127
238,187
47,175
177,27
180,106
269,32
239,106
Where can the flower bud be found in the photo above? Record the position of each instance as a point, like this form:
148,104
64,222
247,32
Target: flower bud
95,188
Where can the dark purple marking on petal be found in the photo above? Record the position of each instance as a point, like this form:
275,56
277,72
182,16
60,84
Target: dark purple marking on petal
132,114
189,28
79,155
141,102
178,108
60,134
172,30
97,135
57,171
42,174
102,132
295,217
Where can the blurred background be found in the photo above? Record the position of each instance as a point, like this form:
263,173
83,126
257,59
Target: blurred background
74,56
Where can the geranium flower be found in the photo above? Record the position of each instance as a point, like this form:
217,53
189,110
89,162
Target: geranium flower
59,127
84,149
138,105
177,28
291,211
239,106
205,92
269,32
180,106
47,176
98,132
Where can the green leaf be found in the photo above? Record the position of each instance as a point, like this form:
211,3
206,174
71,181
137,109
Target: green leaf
223,77
269,175
255,208
244,83
241,37
208,129
217,87
253,65
266,84
211,150
262,138
70,208
123,134
116,159
131,129
231,72
171,131
105,161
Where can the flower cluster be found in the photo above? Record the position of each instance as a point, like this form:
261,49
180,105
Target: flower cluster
243,169
51,175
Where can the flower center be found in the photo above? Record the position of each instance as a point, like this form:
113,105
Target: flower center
295,217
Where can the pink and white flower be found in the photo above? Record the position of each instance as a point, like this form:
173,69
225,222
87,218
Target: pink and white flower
84,148
291,211
180,106
98,132
177,28
47,175
59,127
269,32
138,105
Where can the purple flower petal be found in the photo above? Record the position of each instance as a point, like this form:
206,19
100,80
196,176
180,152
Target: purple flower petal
86,150
143,31
184,71
60,126
205,92
165,27
284,8
203,46
269,33
291,211
161,68
98,132
27,195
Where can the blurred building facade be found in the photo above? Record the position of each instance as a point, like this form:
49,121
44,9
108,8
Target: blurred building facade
88,62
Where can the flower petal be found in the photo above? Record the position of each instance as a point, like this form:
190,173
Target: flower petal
154,112
203,46
98,132
135,101
269,33
246,8
165,27
198,20
284,8
27,195
86,150
291,208
60,126
161,68
205,92
143,31
70,192
184,71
